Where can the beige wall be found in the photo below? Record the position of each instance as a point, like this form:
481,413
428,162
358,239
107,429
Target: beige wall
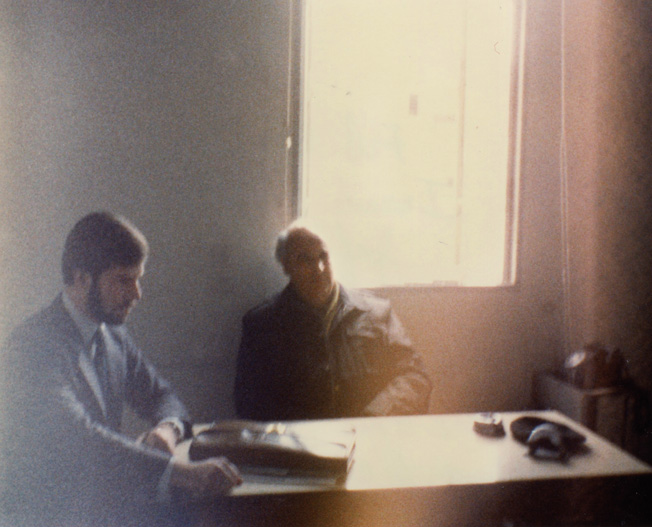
173,113
609,85
484,345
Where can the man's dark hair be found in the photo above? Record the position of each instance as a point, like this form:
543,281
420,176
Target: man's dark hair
100,241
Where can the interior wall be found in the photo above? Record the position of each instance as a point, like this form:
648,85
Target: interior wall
483,346
609,86
173,114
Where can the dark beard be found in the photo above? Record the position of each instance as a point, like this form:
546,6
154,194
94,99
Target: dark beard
96,308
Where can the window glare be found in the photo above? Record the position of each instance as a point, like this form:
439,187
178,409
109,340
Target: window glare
405,126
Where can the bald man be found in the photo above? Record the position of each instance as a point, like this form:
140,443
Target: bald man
318,350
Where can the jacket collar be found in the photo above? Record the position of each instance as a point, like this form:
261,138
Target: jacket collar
85,325
349,302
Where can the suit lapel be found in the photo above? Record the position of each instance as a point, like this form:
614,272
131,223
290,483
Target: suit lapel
82,372
92,381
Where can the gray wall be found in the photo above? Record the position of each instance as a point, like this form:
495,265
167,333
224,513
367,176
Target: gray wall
173,113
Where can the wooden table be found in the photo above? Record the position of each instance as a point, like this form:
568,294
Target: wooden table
435,470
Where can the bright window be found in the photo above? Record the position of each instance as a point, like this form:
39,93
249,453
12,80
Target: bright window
408,138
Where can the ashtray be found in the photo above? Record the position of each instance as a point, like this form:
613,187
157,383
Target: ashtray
489,424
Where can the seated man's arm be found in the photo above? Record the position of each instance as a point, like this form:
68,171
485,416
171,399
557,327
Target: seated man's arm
127,463
208,478
166,435
148,394
408,388
254,393
153,398
56,444
58,453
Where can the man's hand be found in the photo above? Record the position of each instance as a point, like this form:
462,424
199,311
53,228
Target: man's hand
205,479
163,437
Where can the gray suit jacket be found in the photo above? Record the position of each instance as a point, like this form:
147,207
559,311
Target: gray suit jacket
60,454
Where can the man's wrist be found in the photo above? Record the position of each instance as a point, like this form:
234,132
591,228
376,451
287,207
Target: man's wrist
182,429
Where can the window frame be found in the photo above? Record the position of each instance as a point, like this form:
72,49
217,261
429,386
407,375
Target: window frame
294,139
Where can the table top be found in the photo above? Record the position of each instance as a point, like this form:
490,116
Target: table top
444,450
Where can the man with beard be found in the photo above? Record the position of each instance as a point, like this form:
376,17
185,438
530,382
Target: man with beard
68,372
319,350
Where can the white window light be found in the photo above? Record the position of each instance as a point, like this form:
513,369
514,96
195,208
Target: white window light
409,138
